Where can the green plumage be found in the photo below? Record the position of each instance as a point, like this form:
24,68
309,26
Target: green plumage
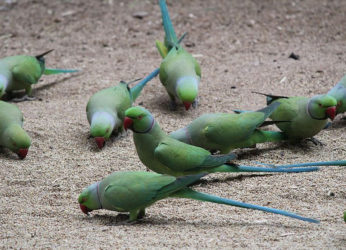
21,72
306,116
106,108
134,191
180,73
166,155
224,132
12,135
339,93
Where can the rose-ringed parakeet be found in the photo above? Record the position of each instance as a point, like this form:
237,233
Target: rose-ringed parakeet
166,155
339,93
21,72
223,131
105,109
133,192
180,73
12,135
306,116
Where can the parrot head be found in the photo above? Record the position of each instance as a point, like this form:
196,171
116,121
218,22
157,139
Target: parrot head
89,199
17,140
101,127
187,90
41,60
138,119
322,107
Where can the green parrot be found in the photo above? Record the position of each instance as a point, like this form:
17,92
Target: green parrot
339,93
166,155
21,72
223,132
106,108
306,116
12,135
180,73
134,191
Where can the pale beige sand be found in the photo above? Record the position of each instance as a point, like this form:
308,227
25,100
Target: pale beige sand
238,43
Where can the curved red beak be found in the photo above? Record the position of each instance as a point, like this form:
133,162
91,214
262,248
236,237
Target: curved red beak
100,141
22,153
187,105
331,112
127,123
84,209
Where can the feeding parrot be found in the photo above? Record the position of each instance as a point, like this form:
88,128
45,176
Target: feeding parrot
166,155
339,93
180,73
306,116
133,192
223,132
12,135
105,109
21,72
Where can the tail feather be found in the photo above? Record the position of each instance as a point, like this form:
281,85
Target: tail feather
269,109
170,36
240,168
191,194
270,98
58,71
306,164
136,90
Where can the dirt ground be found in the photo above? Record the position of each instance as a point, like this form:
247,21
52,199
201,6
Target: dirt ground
242,46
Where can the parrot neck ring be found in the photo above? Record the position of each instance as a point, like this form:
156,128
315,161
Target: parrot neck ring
148,129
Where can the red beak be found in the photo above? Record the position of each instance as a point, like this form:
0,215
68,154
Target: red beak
331,112
22,153
127,123
187,105
100,141
84,209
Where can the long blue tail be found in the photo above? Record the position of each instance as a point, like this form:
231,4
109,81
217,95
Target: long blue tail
306,164
170,36
58,71
242,168
136,90
191,194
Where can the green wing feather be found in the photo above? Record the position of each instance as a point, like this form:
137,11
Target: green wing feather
58,71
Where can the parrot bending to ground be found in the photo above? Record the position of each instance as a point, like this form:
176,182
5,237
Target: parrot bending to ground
166,155
306,116
12,135
133,192
223,132
180,73
106,108
20,72
339,93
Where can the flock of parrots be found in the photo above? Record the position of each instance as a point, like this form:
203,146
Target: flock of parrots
184,156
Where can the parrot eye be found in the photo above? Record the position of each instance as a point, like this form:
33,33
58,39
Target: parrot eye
139,117
84,199
320,104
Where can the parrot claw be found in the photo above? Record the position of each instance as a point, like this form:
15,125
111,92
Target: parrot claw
195,103
124,219
316,141
24,98
173,106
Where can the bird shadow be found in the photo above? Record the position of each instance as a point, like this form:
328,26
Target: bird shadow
52,84
8,154
149,221
337,124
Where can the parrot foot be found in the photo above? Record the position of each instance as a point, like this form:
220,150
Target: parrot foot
316,141
123,219
173,106
195,103
24,98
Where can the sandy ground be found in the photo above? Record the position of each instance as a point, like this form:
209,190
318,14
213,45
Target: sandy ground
242,46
